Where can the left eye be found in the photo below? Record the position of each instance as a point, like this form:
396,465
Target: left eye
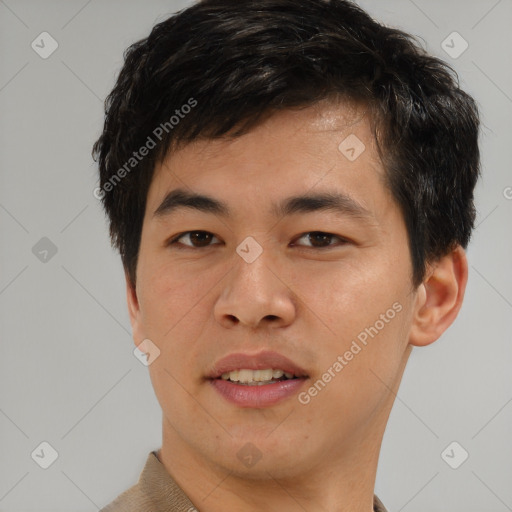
322,240
200,239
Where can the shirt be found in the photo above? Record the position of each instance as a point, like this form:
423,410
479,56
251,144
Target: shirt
156,491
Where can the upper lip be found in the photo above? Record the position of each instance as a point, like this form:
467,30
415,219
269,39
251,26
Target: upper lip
259,361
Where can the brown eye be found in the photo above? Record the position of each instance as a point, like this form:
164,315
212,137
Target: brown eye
197,239
320,240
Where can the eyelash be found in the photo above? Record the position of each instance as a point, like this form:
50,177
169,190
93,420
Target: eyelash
175,241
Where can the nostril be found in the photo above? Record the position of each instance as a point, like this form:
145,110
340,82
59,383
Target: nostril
233,318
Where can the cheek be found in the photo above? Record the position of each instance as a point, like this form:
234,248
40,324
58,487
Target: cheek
372,353
167,295
177,314
360,312
346,297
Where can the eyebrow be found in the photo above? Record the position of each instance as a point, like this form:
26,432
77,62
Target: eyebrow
337,202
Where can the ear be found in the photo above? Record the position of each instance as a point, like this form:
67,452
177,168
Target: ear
134,311
439,298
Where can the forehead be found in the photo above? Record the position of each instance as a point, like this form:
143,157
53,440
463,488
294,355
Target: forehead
325,147
312,129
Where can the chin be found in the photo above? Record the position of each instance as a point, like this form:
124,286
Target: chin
268,467
259,457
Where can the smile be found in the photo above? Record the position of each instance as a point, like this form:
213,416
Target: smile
257,377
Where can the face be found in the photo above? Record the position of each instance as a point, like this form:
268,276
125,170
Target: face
325,284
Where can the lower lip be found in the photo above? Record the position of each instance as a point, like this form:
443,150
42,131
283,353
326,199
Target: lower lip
257,396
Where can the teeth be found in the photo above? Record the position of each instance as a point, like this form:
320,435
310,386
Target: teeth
245,376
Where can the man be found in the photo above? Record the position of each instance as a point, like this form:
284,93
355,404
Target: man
290,186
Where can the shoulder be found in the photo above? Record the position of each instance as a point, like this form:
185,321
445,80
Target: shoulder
138,497
131,500
155,490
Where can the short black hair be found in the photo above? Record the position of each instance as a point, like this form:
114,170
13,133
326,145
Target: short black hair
220,67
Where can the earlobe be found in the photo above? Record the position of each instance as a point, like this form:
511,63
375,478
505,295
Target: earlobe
439,298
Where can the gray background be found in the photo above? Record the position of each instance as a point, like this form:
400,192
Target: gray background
68,375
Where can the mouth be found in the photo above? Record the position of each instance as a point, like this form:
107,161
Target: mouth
259,380
248,377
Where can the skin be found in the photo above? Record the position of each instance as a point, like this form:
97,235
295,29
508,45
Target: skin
307,302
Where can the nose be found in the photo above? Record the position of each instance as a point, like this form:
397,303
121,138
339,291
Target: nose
256,294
